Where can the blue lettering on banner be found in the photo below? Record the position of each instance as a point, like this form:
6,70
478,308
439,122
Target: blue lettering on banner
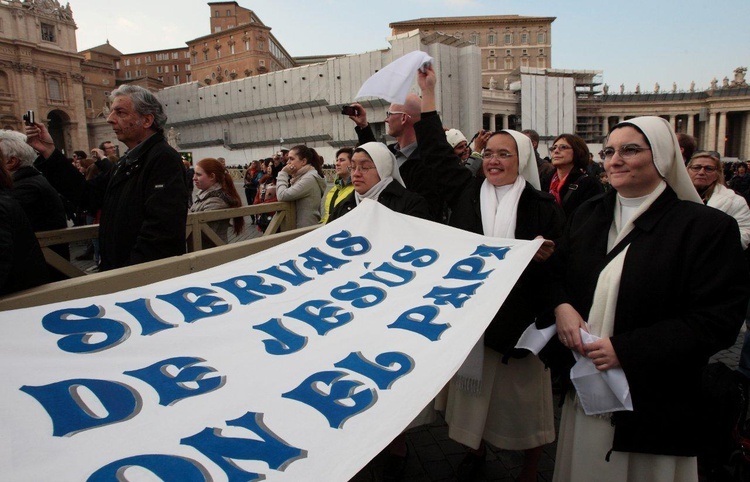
419,320
70,414
486,251
456,296
204,305
285,341
249,288
80,332
270,449
321,262
348,244
468,269
291,275
378,371
360,297
400,276
168,468
330,405
144,315
419,258
326,319
173,388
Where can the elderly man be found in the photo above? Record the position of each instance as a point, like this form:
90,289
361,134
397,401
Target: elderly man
143,198
37,197
416,175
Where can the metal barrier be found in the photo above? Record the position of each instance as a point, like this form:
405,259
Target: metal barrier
144,273
284,219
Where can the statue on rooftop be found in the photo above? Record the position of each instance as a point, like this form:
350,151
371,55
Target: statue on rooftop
622,88
674,87
657,87
638,88
739,77
692,86
605,89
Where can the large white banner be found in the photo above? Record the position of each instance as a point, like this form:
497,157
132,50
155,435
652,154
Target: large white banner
298,363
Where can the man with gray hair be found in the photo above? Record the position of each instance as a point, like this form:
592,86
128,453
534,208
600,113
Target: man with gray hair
37,197
143,198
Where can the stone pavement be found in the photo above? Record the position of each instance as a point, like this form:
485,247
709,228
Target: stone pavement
433,456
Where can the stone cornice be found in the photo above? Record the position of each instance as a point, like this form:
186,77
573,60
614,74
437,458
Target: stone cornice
484,20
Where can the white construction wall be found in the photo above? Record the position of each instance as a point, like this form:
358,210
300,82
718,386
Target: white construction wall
548,104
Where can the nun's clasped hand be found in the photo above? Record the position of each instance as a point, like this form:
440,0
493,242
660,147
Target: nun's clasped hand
602,354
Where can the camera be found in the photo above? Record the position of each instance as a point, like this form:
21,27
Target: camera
28,117
349,110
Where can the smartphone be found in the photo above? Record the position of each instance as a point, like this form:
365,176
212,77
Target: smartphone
28,117
349,110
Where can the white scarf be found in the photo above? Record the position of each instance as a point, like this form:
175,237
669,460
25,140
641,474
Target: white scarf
374,192
499,209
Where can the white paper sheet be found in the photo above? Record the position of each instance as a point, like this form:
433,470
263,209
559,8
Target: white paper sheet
393,81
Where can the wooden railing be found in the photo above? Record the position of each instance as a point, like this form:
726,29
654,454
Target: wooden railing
146,273
197,225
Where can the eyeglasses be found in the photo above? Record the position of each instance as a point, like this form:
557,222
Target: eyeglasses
708,169
626,152
359,168
561,148
389,113
497,155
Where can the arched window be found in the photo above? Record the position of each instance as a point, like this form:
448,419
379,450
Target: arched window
4,83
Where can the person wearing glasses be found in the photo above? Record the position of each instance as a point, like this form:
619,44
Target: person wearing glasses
416,175
500,396
569,183
662,281
374,175
707,175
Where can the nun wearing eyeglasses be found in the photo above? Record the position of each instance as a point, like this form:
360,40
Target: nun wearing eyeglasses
661,279
375,175
500,396
707,175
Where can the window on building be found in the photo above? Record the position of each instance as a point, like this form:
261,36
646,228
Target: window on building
159,69
491,39
540,63
187,55
229,13
137,61
492,53
474,38
127,62
524,38
541,51
205,55
217,13
541,38
492,64
138,73
524,52
4,83
187,68
524,62
261,45
217,29
508,64
218,53
128,75
175,68
148,59
247,45
187,77
48,33
89,104
53,86
508,39
117,64
176,79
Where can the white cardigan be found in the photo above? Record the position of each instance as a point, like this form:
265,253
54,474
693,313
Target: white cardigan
728,201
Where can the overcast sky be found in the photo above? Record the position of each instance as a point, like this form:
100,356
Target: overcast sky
635,41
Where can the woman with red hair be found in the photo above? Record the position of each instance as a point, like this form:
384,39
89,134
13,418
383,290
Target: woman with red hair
217,191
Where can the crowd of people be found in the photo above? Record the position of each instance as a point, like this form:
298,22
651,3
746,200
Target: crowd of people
641,267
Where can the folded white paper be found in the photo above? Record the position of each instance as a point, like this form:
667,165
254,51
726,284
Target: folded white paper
393,81
599,391
534,339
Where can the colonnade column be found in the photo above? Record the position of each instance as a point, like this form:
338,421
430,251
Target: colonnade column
691,125
492,123
711,134
673,122
745,147
505,122
722,133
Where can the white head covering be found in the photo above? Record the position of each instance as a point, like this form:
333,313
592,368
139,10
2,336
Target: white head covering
666,154
385,161
526,158
454,137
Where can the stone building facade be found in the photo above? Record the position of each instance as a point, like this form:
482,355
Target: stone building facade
40,70
239,46
507,42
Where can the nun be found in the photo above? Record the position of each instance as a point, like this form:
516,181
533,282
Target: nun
501,396
375,175
661,280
